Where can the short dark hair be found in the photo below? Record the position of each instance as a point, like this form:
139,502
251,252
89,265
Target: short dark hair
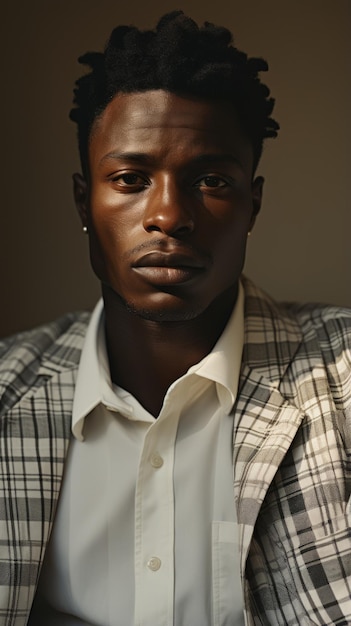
180,57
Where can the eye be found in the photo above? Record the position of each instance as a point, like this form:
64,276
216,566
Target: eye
129,181
211,182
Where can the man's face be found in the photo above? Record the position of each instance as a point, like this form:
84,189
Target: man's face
169,202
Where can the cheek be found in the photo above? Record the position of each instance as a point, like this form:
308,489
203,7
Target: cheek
113,218
229,235
230,212
112,236
107,226
229,252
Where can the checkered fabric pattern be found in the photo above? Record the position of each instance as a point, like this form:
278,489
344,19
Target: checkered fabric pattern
292,464
291,458
37,379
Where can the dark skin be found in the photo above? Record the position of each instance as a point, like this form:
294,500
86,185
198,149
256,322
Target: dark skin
169,203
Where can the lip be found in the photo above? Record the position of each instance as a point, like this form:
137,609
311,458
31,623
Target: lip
168,268
173,260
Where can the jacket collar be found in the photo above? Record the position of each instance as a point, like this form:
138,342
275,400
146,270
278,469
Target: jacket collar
64,353
272,334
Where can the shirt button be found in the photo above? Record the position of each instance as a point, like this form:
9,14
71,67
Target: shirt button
156,460
154,563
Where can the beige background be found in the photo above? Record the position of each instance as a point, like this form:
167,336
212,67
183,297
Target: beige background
300,248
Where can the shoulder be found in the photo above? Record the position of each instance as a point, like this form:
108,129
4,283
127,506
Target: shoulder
50,347
31,344
310,335
330,324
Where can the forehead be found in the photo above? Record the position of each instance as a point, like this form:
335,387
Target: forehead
157,120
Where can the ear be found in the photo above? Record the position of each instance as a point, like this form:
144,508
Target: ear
80,191
256,191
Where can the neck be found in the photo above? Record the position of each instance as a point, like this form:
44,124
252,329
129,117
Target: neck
147,356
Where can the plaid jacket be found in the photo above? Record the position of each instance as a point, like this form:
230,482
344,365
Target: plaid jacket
291,459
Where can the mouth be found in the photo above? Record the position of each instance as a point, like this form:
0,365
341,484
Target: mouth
168,268
168,259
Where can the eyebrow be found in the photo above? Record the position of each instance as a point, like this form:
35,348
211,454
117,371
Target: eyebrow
142,157
139,157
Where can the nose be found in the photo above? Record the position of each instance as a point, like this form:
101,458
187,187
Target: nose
168,210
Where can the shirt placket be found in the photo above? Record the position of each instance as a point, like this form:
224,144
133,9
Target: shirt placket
154,525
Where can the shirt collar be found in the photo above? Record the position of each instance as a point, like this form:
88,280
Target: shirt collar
222,365
94,385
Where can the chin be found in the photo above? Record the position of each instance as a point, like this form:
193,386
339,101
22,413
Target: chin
166,309
158,314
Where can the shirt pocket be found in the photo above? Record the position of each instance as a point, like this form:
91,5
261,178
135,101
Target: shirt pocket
227,596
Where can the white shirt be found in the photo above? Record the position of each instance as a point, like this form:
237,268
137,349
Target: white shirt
145,533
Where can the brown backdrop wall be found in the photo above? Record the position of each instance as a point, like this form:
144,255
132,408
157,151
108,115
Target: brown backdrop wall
300,247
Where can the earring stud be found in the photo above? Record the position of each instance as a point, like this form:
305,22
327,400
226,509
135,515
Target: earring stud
85,229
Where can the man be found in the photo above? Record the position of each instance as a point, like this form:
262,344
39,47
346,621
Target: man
207,480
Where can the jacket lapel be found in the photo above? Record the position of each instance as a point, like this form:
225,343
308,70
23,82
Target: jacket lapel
265,428
266,421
